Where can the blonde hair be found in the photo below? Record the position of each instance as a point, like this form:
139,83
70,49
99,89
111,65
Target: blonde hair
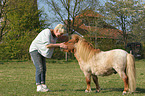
61,28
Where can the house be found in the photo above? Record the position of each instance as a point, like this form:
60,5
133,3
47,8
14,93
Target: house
90,23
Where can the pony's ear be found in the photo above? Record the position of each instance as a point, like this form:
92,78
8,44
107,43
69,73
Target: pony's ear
76,37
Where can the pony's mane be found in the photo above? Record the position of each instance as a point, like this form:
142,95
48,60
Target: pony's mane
85,50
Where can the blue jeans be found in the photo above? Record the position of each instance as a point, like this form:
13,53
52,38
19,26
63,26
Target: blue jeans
40,65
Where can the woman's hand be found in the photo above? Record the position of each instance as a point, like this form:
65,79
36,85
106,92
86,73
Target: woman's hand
62,45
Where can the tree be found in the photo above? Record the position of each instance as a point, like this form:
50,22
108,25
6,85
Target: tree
66,10
22,15
3,17
121,14
138,25
22,26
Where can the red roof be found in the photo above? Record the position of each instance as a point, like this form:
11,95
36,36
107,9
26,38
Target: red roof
103,32
108,32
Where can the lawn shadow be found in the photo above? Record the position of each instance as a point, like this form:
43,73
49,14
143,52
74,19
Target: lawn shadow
80,90
62,90
1,63
105,90
140,90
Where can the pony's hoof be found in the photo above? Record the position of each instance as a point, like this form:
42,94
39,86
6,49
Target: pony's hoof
124,93
87,91
97,91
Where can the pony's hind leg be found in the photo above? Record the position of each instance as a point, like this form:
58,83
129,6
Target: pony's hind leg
95,79
88,81
125,80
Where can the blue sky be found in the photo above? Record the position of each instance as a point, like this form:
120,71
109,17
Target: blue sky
43,6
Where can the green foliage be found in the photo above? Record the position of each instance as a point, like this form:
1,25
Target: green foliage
138,28
122,14
109,44
22,27
143,50
58,54
22,15
17,48
106,44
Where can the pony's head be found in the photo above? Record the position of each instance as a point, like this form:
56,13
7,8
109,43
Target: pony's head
71,43
81,47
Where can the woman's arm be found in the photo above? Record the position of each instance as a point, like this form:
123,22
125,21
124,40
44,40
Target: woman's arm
56,45
53,45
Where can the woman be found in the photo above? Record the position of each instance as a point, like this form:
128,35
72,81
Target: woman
42,47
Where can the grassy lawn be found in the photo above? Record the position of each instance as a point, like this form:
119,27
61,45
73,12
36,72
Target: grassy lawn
63,78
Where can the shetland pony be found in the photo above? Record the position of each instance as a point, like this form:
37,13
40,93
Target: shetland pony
94,62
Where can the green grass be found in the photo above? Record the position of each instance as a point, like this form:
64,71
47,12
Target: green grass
63,78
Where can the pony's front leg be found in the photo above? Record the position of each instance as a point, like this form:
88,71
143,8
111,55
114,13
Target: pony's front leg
88,81
95,79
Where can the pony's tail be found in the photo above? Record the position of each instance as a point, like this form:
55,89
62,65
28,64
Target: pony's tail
131,72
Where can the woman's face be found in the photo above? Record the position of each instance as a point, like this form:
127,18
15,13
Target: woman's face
58,34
